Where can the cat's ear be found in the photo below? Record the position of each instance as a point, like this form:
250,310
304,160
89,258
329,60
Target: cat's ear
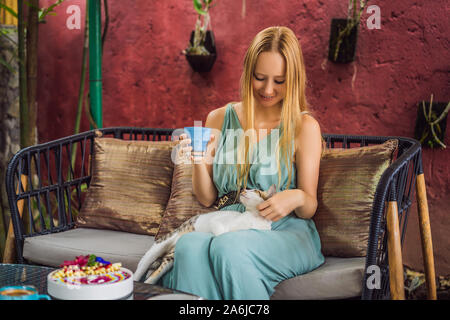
272,190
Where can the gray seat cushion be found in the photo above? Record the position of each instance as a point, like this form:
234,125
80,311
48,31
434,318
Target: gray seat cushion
115,246
337,278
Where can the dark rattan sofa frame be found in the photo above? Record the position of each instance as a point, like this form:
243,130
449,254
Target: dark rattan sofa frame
55,180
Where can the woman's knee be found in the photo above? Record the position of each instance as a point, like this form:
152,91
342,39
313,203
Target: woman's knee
229,246
192,244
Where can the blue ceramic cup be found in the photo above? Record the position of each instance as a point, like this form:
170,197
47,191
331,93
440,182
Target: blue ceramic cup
21,293
199,137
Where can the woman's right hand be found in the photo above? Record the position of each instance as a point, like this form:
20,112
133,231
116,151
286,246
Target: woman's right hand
186,149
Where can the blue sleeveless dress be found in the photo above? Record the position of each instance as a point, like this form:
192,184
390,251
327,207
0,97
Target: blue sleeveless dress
245,264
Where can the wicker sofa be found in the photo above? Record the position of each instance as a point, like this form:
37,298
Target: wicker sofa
60,239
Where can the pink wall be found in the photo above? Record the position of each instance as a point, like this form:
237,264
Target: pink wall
148,82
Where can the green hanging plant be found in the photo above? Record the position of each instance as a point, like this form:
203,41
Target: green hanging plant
346,32
197,45
201,51
432,132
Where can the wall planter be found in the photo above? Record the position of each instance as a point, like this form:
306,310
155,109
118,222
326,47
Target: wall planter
203,62
431,124
342,50
201,52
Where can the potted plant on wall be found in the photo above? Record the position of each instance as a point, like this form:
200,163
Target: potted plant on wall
344,33
431,123
201,51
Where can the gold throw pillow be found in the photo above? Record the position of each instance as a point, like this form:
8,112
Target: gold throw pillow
130,185
347,182
182,204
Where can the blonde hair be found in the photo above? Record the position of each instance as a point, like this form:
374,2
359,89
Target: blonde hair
283,41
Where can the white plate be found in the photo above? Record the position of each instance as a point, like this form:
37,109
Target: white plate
175,296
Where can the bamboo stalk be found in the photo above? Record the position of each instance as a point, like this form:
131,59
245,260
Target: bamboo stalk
31,63
82,84
395,253
425,235
24,122
95,62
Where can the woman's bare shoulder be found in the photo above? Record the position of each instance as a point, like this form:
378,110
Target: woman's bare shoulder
307,130
215,117
307,124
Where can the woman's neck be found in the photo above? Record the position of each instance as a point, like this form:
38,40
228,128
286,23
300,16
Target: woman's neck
267,116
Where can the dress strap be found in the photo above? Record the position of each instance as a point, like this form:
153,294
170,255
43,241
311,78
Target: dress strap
232,118
227,118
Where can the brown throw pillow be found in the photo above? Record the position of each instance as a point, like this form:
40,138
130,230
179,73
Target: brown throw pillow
182,204
130,185
347,182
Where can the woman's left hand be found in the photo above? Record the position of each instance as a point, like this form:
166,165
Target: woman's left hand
279,205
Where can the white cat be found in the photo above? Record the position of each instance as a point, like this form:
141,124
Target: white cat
216,222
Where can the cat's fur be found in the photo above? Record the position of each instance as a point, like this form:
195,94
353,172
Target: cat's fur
159,258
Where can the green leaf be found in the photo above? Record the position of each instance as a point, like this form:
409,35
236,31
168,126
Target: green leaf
91,260
10,10
7,65
40,14
197,4
43,12
198,7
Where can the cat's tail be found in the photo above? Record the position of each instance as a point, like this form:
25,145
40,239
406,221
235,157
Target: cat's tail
162,246
155,251
166,264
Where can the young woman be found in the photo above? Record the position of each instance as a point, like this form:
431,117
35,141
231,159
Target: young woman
248,264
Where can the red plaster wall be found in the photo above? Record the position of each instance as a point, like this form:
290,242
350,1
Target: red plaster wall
148,82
